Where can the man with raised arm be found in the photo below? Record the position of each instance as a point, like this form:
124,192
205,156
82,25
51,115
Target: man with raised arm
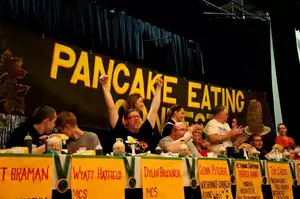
133,124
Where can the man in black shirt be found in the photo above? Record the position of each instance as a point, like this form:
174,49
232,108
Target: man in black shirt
39,124
133,125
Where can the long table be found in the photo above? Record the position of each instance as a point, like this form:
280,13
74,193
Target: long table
137,191
138,171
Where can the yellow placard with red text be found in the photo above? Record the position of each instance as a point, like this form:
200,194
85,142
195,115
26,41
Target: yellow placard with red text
214,179
26,176
280,179
248,179
162,178
98,177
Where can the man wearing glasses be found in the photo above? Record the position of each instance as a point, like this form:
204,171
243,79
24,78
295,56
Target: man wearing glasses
256,141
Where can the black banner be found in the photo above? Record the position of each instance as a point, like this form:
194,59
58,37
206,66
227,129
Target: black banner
66,78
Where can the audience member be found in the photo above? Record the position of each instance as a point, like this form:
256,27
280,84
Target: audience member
175,114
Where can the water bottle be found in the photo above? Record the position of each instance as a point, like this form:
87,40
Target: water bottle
28,142
99,150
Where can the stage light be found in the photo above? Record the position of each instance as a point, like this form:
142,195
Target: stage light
192,44
111,13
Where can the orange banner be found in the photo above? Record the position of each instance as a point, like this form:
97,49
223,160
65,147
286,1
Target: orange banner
26,176
214,177
162,178
248,179
97,177
280,179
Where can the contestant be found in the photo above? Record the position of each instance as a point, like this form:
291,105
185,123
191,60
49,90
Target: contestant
133,126
38,126
66,123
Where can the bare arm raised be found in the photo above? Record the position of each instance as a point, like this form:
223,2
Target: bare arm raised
155,103
109,101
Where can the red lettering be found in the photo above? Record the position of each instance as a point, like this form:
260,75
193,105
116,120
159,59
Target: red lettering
33,174
76,173
146,172
83,174
152,192
19,171
169,173
155,191
13,174
37,175
45,174
3,172
282,171
254,174
29,173
105,174
79,194
243,173
151,173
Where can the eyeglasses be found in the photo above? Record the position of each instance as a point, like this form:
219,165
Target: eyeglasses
134,116
181,129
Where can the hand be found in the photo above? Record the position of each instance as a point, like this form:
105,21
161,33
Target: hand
187,136
159,82
205,144
248,148
192,128
237,130
103,79
272,151
242,129
44,137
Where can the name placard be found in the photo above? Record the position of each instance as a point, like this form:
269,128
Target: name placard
280,180
97,177
162,178
26,176
248,179
214,178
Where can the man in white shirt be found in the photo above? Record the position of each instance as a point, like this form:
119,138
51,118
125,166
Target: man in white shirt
218,130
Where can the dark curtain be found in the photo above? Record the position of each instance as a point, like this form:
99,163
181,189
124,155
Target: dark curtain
95,28
236,53
8,123
288,70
